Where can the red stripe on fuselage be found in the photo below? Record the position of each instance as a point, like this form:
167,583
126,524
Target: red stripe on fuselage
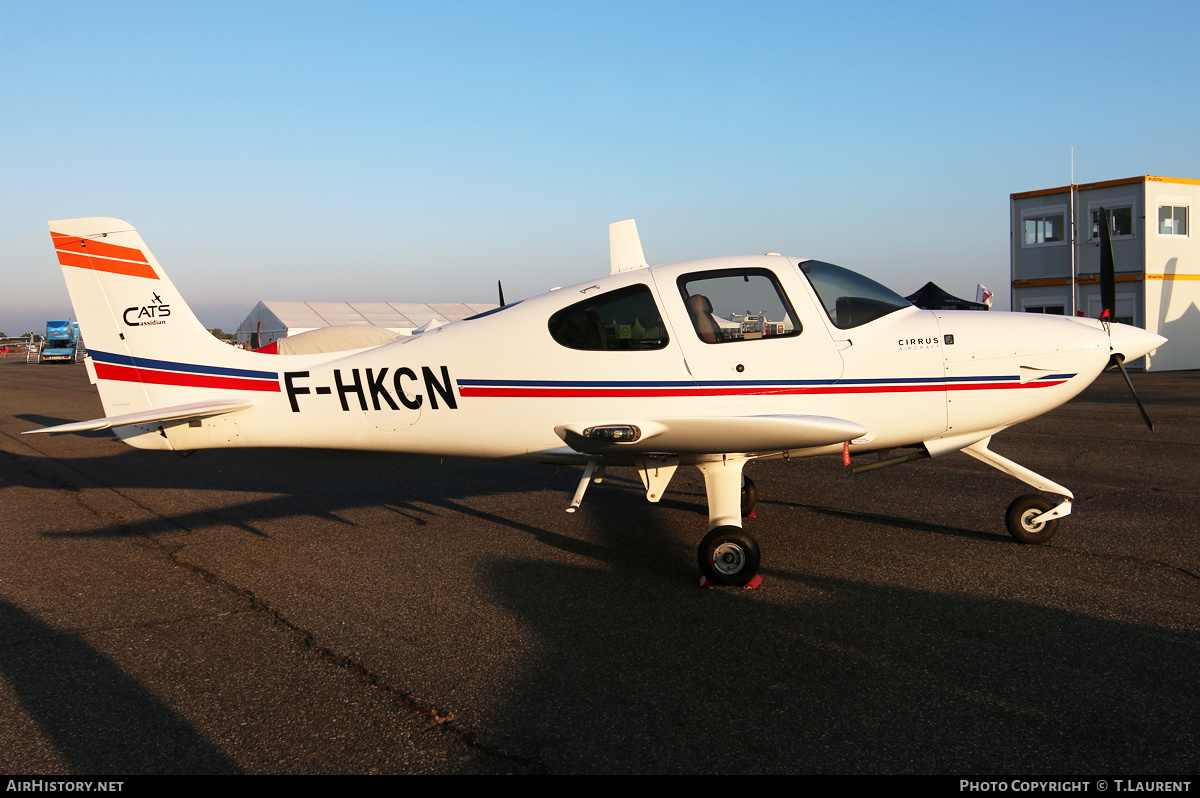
109,371
596,393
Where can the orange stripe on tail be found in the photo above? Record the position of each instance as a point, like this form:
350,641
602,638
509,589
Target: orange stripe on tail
86,253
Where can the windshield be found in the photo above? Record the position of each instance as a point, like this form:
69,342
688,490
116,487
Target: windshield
849,298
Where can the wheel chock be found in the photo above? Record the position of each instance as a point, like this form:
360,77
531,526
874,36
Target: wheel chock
753,583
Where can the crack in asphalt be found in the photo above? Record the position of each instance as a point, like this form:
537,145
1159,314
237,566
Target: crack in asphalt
438,719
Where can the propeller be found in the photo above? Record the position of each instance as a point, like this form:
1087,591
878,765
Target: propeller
1108,301
500,288
1108,270
1118,360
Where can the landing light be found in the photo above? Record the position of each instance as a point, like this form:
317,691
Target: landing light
616,433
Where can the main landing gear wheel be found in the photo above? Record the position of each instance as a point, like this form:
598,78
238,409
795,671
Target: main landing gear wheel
1020,519
749,496
728,556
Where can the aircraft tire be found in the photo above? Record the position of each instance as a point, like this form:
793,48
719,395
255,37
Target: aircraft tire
728,556
1018,520
749,496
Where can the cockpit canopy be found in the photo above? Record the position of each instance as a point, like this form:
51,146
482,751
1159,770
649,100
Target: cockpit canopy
724,305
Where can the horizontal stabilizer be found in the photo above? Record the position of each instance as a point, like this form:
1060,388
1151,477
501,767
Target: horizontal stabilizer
709,434
192,410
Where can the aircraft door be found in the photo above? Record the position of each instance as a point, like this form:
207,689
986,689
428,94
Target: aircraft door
747,329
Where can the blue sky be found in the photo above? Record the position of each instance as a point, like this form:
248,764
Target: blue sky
420,152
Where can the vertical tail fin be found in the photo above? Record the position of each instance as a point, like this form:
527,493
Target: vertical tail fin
149,349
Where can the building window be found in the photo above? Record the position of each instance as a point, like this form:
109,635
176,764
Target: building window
1123,313
1172,220
1051,305
1120,222
1044,226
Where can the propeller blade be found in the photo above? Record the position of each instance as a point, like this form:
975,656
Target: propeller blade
1119,359
1108,272
500,288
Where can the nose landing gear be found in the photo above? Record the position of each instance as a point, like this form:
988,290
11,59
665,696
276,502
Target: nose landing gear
1031,518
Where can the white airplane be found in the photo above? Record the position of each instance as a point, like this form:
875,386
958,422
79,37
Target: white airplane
633,369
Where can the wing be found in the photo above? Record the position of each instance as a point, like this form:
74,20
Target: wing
708,434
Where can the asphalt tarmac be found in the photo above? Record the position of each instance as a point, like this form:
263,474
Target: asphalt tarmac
290,611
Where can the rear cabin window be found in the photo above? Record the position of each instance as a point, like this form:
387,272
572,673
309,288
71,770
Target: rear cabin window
626,319
737,305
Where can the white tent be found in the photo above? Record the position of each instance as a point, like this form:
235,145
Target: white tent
271,320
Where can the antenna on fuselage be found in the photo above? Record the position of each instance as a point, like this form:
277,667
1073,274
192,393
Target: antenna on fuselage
625,247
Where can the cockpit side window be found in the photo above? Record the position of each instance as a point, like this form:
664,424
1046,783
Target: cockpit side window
737,305
626,319
849,298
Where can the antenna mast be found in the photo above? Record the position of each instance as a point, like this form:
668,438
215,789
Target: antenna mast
1072,229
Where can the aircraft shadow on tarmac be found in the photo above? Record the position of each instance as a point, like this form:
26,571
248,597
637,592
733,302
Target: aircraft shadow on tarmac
283,482
322,484
855,677
95,716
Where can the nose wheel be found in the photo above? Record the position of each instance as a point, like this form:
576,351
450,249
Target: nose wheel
1020,519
